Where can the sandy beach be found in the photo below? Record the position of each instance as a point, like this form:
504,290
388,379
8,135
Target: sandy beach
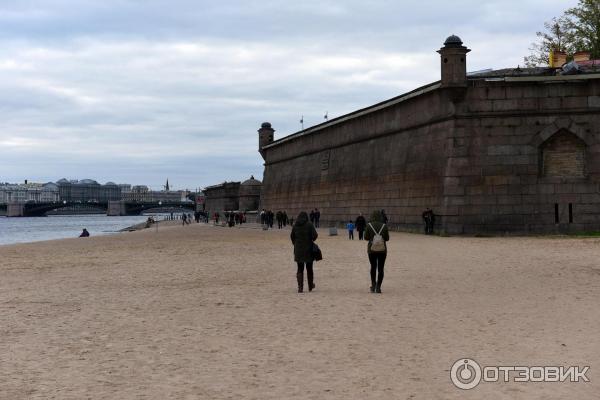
202,312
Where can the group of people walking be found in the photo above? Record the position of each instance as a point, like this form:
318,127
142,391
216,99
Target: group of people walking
267,218
282,219
231,218
360,224
375,231
235,218
304,234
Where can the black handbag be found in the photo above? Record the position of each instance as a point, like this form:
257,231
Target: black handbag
316,252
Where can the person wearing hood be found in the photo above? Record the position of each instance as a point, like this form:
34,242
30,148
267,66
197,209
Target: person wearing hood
303,235
377,234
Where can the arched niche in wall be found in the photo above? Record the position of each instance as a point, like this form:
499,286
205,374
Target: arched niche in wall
562,155
562,149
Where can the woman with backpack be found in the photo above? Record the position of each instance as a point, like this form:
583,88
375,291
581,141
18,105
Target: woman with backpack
377,234
303,235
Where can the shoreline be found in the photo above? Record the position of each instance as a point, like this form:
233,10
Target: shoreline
36,229
322,232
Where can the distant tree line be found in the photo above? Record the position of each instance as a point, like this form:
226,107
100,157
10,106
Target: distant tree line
578,29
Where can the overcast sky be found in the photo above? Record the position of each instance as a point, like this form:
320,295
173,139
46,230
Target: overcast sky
141,91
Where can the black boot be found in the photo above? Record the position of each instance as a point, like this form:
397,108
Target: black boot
311,283
300,278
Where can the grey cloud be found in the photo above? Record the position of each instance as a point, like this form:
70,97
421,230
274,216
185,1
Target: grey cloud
142,89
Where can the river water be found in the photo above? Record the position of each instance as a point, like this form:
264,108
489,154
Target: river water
33,229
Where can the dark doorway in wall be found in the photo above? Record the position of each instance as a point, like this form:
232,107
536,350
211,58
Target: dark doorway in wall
570,213
556,216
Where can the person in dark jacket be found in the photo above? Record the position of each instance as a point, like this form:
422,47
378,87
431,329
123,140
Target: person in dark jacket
429,220
84,233
303,235
384,217
361,224
271,218
376,258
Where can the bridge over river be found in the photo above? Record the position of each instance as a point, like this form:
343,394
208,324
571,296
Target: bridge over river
112,208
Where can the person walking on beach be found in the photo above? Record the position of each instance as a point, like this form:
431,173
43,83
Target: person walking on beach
350,227
377,234
361,224
317,217
183,219
384,217
303,235
262,216
429,219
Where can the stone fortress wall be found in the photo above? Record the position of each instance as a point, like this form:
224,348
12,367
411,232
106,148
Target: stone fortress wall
233,196
515,152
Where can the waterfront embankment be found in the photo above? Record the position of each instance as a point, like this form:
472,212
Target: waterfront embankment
203,312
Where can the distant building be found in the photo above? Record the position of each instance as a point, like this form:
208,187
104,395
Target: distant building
29,192
173,196
88,190
137,193
233,196
125,188
249,194
49,193
142,193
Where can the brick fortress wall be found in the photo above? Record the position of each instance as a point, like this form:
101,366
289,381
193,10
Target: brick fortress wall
392,159
502,155
223,197
525,158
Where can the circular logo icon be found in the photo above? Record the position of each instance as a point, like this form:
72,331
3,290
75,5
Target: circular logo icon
465,374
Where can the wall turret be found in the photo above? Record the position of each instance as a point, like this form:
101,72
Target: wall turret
454,62
265,136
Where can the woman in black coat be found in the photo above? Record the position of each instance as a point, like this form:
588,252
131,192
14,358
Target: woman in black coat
303,235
